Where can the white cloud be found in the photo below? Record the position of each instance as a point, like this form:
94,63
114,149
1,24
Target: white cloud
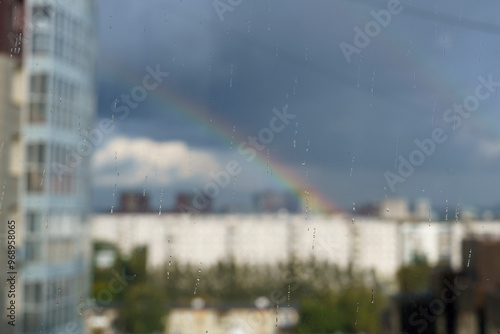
490,148
162,162
476,137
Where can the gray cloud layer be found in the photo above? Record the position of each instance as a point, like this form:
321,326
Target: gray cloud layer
426,59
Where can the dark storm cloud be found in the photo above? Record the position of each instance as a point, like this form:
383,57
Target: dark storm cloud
394,91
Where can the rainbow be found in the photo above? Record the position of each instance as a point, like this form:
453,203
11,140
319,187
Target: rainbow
195,112
286,176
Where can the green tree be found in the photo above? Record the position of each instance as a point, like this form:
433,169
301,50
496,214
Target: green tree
143,308
137,263
350,310
103,276
414,277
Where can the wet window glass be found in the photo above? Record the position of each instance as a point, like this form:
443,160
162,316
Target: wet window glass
235,166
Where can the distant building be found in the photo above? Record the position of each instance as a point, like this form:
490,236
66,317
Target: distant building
134,203
254,238
394,209
368,242
101,320
367,210
400,209
192,203
464,301
235,208
274,202
404,315
390,209
481,276
421,208
468,212
430,241
231,320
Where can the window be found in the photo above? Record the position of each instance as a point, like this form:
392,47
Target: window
36,154
38,96
35,165
241,166
35,181
33,250
32,322
41,14
40,43
33,293
37,112
39,84
33,222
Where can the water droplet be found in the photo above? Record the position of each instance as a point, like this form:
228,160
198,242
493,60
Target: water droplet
414,78
430,213
352,165
372,87
357,310
289,292
197,280
277,308
43,175
314,237
231,77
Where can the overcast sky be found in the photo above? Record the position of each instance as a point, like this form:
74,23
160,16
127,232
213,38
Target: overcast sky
353,118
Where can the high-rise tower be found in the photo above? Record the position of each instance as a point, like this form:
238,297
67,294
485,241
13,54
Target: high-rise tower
58,69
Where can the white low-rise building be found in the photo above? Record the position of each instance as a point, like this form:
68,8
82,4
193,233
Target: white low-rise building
367,243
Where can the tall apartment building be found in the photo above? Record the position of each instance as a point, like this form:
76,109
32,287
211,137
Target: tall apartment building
46,112
10,102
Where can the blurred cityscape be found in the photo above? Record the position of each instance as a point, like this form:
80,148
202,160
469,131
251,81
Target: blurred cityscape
280,265
434,276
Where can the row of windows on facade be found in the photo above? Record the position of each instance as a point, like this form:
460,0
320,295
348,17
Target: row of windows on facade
57,250
36,180
68,218
54,296
34,323
62,100
37,292
70,37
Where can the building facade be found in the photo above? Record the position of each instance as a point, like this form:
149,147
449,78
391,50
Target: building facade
59,52
254,238
10,103
367,243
